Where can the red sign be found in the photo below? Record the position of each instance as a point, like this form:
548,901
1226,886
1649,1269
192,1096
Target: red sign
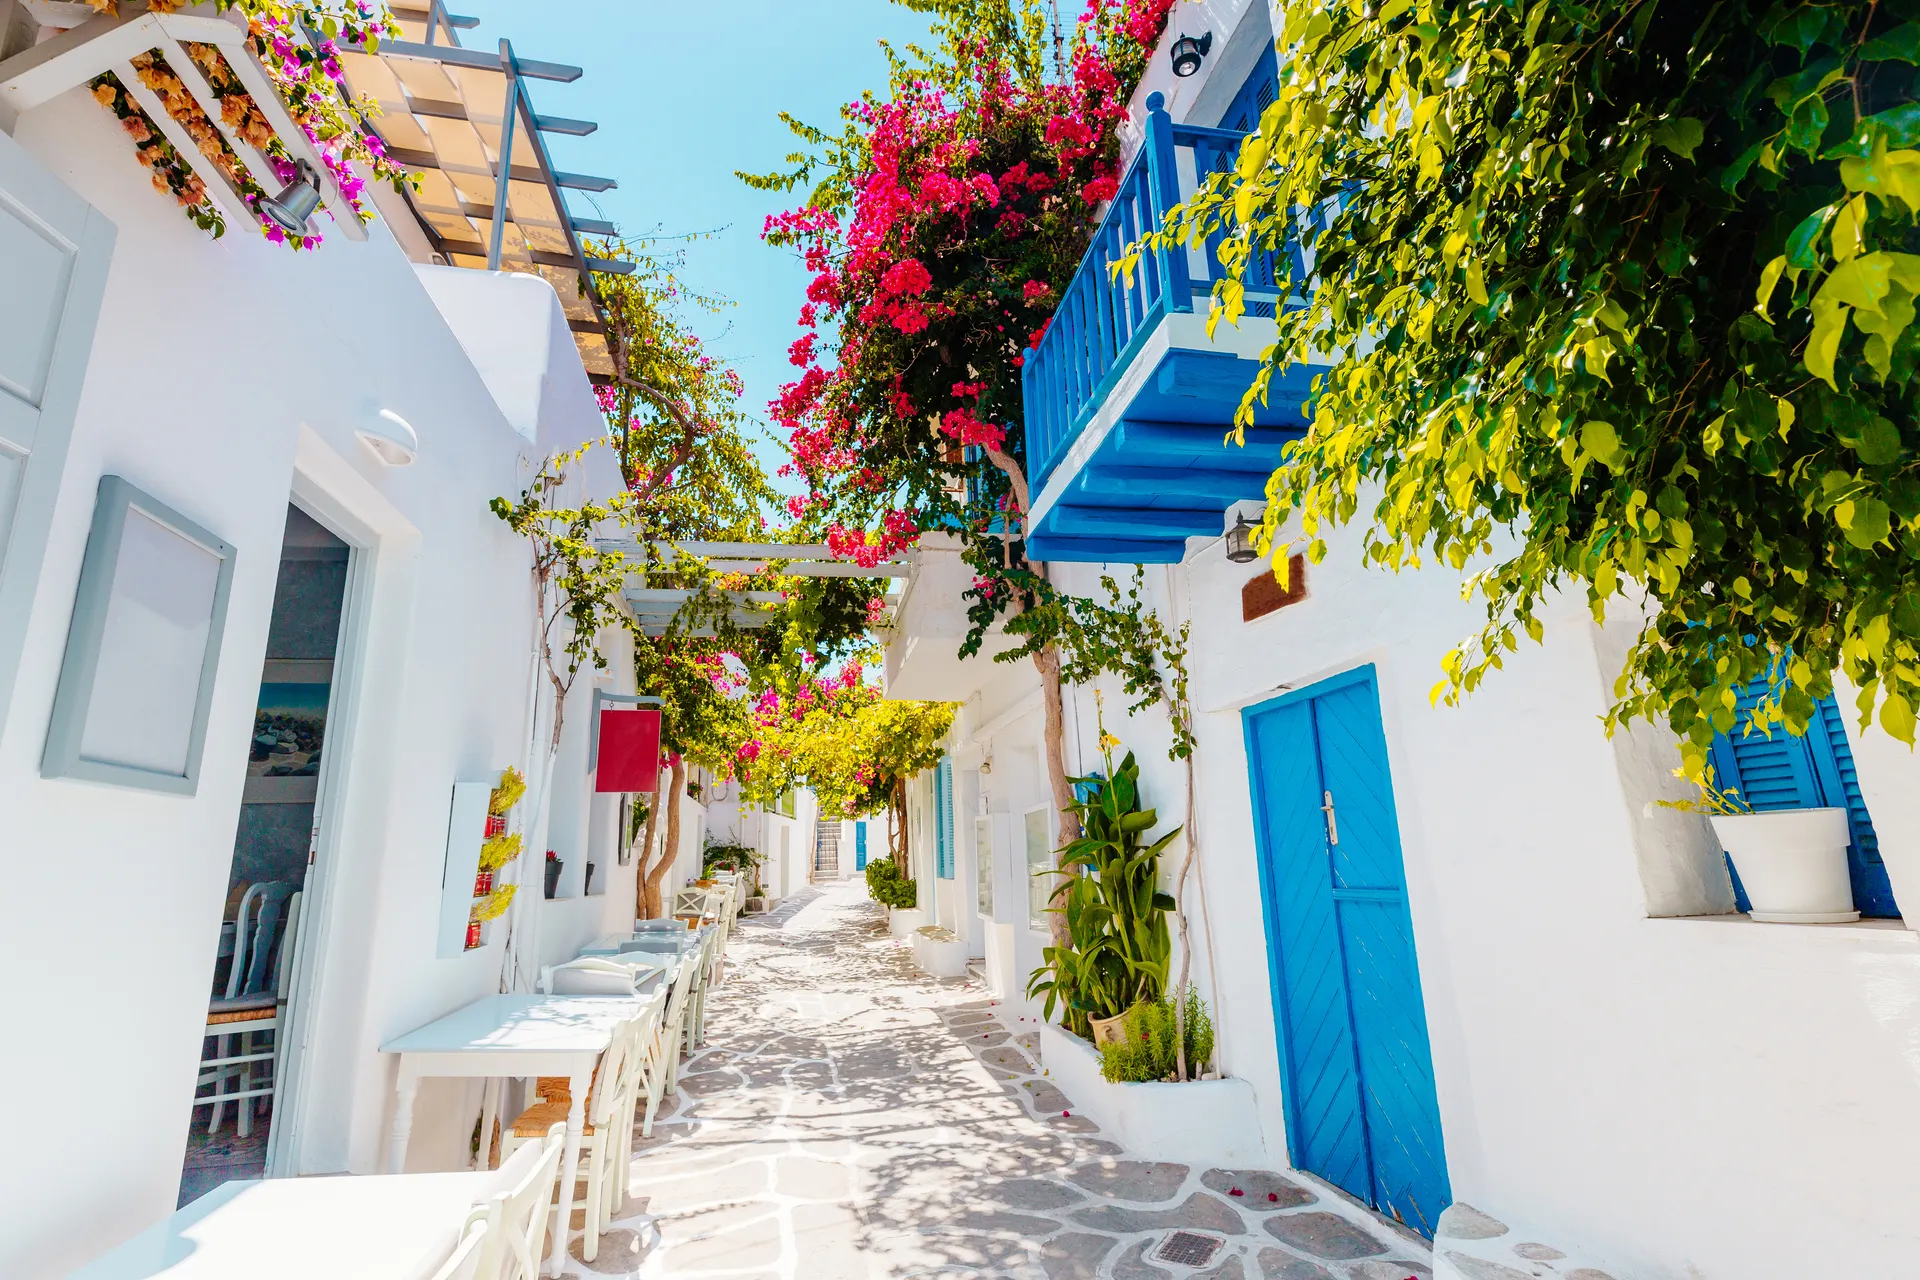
629,750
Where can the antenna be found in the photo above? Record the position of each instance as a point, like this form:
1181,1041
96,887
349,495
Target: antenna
1059,41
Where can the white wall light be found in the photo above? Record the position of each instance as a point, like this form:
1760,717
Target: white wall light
390,436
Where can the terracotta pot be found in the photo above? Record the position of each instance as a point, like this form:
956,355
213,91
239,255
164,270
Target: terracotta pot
473,934
1106,1030
496,825
482,883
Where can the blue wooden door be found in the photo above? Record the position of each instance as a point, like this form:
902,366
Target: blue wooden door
859,846
1355,1061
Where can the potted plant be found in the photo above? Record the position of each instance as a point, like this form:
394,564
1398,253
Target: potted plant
1792,862
1119,947
899,895
1143,1049
587,885
553,871
491,907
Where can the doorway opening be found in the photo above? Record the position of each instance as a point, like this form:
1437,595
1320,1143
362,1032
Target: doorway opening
242,1065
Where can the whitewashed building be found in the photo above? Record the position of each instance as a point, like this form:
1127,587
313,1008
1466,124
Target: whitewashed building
257,622
1456,956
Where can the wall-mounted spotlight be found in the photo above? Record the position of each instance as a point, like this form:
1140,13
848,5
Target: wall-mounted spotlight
1240,548
296,201
1188,53
390,436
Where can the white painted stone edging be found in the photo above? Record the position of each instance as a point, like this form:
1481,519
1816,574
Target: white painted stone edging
1202,1122
902,921
938,952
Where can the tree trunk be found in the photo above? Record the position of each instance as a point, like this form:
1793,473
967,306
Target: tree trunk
897,802
1047,660
644,906
670,850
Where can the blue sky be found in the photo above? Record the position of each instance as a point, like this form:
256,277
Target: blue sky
683,101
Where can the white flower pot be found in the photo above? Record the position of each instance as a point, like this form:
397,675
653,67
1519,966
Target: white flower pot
902,921
1792,863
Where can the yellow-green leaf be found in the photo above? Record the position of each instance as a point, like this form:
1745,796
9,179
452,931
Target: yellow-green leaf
1476,283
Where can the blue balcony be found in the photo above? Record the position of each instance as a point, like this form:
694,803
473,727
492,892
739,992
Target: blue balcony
1128,402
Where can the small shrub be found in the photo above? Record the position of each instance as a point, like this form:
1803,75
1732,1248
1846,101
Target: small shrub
888,887
1146,1048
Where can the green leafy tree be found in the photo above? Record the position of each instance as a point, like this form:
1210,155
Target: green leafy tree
1623,298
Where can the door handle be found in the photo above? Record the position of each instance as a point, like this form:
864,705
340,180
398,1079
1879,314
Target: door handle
1333,823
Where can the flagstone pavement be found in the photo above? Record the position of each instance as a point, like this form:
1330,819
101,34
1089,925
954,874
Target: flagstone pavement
850,1119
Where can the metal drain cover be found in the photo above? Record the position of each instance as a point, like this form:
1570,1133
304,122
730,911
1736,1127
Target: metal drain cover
1188,1249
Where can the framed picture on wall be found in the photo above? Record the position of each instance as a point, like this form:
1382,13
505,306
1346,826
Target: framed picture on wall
137,679
983,863
1038,830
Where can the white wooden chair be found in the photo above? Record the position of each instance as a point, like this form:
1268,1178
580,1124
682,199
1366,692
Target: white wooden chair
468,1254
646,1034
663,1061
606,1137
588,976
255,1004
516,1215
697,998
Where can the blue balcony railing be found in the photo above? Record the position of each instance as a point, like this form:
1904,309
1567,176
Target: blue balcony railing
1103,319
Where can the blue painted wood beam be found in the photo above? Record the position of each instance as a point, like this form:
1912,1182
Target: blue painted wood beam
1044,547
1221,375
1221,486
1136,443
1135,522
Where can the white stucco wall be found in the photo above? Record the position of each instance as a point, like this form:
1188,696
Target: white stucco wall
1664,1094
1652,1081
226,376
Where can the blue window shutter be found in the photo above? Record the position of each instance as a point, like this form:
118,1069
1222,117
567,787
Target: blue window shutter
943,819
1811,772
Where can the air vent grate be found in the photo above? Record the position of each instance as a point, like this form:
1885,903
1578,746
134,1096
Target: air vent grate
1187,1249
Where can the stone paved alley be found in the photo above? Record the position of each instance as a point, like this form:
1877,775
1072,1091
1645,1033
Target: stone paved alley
849,1118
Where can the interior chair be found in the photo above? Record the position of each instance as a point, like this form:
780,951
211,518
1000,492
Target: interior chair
516,1213
254,1004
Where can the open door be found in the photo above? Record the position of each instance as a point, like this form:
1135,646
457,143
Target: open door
54,252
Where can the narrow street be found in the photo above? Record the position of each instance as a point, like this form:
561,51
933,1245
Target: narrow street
849,1118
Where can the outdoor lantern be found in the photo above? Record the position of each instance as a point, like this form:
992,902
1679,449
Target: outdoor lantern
1240,547
1187,53
299,198
390,436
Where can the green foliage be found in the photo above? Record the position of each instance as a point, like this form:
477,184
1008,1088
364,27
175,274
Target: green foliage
845,742
1147,1048
888,887
1121,636
1712,800
1119,948
1624,301
728,857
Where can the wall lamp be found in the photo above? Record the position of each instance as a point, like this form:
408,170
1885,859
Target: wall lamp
296,201
1187,53
390,436
1240,548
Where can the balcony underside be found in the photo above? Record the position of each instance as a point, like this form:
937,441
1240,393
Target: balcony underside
1156,465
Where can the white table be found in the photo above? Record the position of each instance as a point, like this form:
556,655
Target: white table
513,1035
376,1228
